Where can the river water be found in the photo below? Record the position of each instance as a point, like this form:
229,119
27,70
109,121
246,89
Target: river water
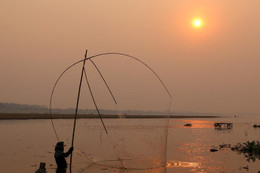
26,143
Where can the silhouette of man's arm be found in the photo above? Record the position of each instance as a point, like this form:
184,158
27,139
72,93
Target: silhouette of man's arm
68,152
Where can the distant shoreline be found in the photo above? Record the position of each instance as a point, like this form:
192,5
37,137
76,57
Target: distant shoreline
21,116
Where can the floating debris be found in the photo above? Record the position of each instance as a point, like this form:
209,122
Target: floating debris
245,167
224,146
213,150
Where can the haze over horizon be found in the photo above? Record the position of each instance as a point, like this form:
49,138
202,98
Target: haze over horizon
211,68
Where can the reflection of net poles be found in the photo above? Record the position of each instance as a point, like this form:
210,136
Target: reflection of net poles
83,72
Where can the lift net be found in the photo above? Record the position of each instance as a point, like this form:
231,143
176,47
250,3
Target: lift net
137,137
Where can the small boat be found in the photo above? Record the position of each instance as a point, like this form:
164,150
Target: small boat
223,125
256,126
188,125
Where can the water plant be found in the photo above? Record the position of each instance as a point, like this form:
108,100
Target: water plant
251,150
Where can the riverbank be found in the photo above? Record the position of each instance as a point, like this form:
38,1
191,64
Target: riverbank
10,116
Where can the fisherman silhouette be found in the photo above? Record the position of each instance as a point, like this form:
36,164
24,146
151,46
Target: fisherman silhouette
60,157
42,168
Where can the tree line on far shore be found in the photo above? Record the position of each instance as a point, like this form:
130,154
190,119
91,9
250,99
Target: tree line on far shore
40,109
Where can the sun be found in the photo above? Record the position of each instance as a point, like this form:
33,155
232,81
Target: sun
197,23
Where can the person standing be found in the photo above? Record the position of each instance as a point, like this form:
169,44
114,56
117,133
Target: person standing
60,157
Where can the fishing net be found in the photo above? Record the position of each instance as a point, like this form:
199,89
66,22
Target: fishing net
137,137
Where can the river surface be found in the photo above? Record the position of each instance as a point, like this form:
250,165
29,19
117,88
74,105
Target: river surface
26,143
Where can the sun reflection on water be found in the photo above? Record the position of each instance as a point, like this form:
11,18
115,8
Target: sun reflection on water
194,166
201,124
175,164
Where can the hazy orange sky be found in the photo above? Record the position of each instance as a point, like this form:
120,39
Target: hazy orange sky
214,68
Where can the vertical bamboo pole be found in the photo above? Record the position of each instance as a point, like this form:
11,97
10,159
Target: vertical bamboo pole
77,105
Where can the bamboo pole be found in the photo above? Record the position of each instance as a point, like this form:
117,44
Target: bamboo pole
77,105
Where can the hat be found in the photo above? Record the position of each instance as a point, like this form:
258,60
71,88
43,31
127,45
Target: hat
60,144
42,165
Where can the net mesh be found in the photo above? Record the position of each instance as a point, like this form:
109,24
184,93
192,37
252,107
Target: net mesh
133,140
